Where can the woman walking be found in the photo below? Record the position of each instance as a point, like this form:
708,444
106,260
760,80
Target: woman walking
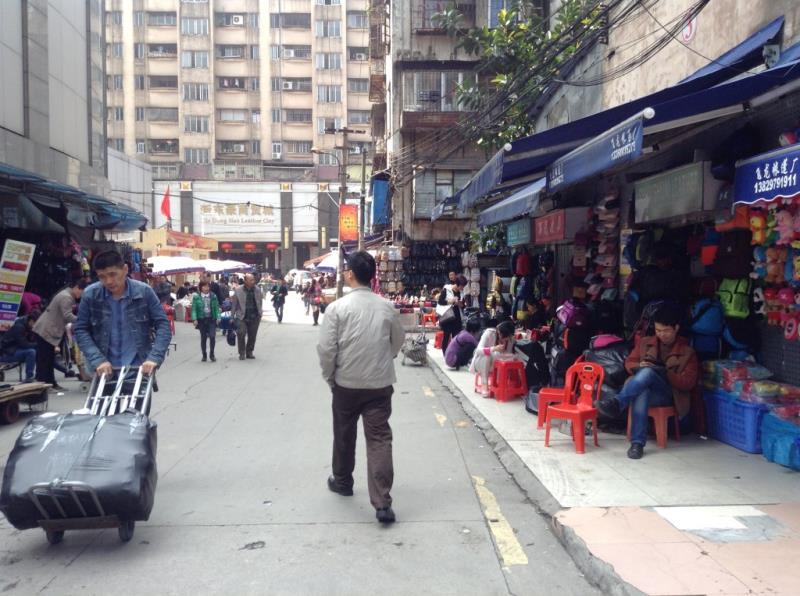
315,297
205,314
493,342
448,308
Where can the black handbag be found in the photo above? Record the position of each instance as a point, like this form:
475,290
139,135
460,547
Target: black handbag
448,317
230,337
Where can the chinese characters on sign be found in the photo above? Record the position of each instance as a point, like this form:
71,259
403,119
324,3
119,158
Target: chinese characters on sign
15,264
236,214
348,222
769,176
551,227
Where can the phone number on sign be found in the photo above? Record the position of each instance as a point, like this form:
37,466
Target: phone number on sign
787,181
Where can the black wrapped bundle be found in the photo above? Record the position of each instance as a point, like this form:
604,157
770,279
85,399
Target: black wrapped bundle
116,455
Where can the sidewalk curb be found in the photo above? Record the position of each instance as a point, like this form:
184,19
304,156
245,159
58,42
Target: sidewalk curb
596,571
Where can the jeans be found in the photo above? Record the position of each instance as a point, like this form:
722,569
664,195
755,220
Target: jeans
646,389
208,330
279,311
26,355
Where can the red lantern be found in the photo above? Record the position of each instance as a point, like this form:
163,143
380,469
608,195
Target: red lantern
249,246
226,246
272,246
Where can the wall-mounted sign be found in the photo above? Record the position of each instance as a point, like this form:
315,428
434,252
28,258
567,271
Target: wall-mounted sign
15,264
519,232
678,192
182,240
348,222
560,225
768,176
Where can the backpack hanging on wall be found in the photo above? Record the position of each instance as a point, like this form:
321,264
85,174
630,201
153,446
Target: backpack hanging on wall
734,295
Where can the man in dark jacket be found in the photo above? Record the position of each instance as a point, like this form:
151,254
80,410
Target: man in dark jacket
16,345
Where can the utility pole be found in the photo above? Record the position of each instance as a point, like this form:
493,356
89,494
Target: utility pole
362,228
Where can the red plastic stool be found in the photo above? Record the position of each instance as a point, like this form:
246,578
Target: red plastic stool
509,378
429,319
660,416
438,340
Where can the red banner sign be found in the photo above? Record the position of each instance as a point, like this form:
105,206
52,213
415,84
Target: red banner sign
551,227
182,240
348,222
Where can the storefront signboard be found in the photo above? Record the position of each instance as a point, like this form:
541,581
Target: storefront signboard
768,176
348,222
182,240
560,225
519,232
682,191
618,145
15,265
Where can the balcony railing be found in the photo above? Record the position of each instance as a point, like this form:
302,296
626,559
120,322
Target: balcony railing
431,91
232,170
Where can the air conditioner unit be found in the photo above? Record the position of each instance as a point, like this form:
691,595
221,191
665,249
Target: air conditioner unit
288,53
239,148
237,19
287,85
276,155
361,57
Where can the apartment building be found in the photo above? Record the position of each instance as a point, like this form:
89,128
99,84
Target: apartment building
219,89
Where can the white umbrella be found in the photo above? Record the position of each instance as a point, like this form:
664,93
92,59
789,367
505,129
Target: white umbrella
330,262
217,266
164,265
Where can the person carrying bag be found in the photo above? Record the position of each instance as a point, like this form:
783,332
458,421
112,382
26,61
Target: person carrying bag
449,310
205,314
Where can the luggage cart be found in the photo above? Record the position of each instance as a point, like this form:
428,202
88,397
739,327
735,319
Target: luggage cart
71,505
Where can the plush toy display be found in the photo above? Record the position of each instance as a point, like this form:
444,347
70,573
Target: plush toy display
759,263
784,226
758,226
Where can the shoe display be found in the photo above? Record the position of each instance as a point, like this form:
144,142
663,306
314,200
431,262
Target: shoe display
385,515
340,490
636,451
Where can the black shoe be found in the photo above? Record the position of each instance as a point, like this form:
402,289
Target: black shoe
213,358
203,359
609,407
340,490
385,515
241,356
56,387
69,374
636,451
250,356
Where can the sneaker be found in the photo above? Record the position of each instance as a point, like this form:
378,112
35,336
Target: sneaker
636,451
385,515
609,407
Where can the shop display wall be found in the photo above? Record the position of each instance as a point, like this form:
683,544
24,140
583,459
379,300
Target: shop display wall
780,356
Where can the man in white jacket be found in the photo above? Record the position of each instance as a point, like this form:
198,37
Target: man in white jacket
360,337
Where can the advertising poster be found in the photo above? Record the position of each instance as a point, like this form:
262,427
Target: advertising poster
15,264
348,222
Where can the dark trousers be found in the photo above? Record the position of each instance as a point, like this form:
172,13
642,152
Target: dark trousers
246,334
315,313
450,331
279,311
208,331
45,361
374,406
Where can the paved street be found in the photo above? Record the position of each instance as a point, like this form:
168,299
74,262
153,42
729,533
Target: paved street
242,506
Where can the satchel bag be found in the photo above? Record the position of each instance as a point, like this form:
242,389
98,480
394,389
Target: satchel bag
230,337
447,317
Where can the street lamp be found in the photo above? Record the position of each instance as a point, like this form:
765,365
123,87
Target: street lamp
342,195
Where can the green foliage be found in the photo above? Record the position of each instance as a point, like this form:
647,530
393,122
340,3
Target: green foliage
518,59
488,239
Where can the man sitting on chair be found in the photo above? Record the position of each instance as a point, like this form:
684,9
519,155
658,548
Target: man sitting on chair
665,370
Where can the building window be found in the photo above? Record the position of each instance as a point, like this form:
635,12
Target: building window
290,84
276,150
194,1
195,124
195,156
164,146
162,19
114,50
119,114
444,185
233,116
329,93
256,147
358,116
276,115
357,19
232,147
275,83
163,82
138,81
298,147
297,52
162,114
255,116
236,52
358,54
117,82
195,91
118,144
290,20
358,85
194,59
252,20
138,21
432,91
328,159
298,116
324,124
192,26
328,61
114,17
231,83
139,114
255,84
328,28
140,146
138,51
230,19
162,50
328,2
274,52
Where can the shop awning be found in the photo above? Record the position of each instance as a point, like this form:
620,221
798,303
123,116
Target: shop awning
489,176
114,217
18,174
790,54
744,56
769,176
521,202
448,206
164,265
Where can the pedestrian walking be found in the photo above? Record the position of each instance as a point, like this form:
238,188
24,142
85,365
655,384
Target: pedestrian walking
246,307
205,315
50,327
120,320
279,292
16,346
315,299
162,288
360,337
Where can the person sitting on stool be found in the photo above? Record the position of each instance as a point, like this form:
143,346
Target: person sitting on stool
15,346
665,370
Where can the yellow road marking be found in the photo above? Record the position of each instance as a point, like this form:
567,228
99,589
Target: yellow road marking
428,391
507,543
440,419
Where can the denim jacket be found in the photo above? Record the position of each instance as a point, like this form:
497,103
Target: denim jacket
149,324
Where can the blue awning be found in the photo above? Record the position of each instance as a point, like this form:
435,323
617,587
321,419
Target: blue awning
489,176
744,56
769,176
522,202
114,217
18,175
790,54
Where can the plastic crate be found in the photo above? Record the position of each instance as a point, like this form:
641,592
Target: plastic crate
735,422
781,441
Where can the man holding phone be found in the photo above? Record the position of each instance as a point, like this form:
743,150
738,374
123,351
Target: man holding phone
665,370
